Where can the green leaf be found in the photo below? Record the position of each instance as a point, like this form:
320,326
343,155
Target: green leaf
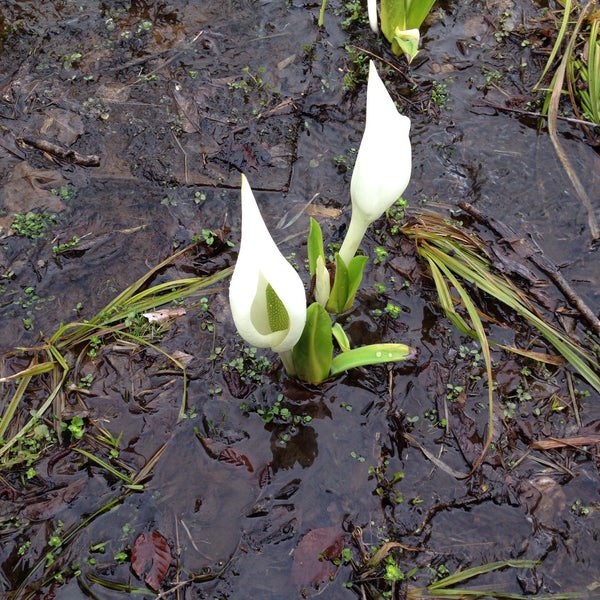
393,15
346,283
370,355
339,291
315,246
402,15
340,337
417,12
355,275
313,353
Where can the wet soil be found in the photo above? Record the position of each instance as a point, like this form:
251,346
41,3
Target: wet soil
127,125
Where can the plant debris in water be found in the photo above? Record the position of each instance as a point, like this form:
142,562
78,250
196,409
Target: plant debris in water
145,451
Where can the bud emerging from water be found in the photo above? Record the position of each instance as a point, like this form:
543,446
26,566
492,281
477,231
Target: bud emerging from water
383,165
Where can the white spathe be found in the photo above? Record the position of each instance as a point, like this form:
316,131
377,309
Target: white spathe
372,11
259,264
383,165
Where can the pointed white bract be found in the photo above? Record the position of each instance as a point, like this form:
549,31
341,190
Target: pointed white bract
265,317
372,11
383,165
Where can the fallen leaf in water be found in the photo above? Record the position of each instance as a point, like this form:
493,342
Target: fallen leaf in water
163,315
151,558
237,387
64,126
27,188
183,357
53,502
233,457
312,557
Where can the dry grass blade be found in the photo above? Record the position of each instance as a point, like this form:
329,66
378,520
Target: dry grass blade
466,257
573,442
479,333
71,340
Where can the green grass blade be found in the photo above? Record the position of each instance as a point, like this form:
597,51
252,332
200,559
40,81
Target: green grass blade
557,44
485,350
462,576
108,467
476,271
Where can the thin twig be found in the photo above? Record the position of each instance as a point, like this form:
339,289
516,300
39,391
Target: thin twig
529,113
539,260
185,162
85,160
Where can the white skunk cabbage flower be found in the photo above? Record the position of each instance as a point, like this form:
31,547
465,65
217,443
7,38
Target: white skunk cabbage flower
383,165
372,11
266,294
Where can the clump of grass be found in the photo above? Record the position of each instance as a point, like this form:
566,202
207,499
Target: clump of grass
585,75
64,351
459,261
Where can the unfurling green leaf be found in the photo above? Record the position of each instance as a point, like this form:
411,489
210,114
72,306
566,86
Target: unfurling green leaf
399,18
315,246
313,353
408,14
339,291
346,282
406,41
355,275
340,337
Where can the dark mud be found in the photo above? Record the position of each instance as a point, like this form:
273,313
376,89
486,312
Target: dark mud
174,101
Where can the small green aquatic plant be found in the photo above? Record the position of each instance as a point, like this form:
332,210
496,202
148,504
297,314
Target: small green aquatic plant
400,23
267,296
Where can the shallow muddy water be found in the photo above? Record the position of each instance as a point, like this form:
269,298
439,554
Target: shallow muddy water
164,106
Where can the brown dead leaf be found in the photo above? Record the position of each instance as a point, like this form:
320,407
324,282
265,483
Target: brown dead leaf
583,440
323,211
183,357
27,188
63,126
312,557
188,111
233,457
151,558
53,502
163,315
